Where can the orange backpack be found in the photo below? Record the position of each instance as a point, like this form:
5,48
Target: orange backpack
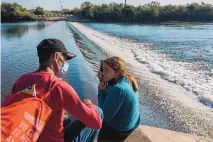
24,118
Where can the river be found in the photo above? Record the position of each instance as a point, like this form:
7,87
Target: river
173,65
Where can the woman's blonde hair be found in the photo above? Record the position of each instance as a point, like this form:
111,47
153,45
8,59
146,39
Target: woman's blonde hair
119,65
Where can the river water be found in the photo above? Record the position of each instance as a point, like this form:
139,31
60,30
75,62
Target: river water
173,65
19,55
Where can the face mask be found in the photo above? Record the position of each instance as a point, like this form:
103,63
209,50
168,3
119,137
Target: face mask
63,70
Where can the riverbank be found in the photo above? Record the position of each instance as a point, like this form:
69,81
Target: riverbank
177,104
49,18
78,19
41,18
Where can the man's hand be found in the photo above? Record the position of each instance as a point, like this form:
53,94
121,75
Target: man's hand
87,101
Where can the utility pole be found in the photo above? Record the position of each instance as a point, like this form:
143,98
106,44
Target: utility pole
124,19
61,5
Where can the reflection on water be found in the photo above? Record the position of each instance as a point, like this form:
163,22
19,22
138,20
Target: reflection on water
18,31
18,46
18,42
19,56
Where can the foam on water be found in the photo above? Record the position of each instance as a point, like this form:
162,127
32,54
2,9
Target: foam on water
180,81
179,73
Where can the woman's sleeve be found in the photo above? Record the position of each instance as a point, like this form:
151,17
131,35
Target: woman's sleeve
112,103
101,98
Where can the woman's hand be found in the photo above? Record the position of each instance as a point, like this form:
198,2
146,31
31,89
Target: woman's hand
100,76
102,86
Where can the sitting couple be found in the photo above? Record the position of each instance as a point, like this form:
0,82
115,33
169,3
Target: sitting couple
116,115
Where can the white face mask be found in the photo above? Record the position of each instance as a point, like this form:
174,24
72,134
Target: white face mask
63,70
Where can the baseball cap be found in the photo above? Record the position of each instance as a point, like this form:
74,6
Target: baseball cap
53,45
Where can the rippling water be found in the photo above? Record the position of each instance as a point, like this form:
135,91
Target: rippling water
162,58
175,90
19,55
184,53
186,43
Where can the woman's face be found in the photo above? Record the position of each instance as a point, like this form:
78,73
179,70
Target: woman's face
108,72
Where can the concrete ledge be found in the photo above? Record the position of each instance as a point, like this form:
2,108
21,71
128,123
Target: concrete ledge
151,134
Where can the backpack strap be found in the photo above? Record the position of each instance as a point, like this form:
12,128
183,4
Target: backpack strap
55,83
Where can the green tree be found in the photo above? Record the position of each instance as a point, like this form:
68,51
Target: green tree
39,11
86,5
129,13
75,11
66,11
152,12
15,12
86,10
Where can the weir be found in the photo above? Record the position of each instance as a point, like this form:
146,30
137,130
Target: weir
144,133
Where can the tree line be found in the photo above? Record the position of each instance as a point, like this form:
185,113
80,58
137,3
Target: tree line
152,12
114,12
12,12
15,12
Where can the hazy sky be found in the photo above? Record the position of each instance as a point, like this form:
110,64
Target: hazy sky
56,4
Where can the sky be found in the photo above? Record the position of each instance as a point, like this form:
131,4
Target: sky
56,4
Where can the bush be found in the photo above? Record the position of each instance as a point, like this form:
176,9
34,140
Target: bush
15,12
39,11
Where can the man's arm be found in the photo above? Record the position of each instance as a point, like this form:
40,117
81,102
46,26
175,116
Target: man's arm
86,113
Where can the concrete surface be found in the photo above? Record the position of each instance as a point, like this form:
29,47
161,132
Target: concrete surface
152,134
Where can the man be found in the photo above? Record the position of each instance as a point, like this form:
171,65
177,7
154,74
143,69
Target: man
52,64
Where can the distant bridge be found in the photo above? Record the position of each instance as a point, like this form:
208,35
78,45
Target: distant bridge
61,17
55,15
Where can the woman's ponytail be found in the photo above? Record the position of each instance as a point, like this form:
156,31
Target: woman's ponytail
133,81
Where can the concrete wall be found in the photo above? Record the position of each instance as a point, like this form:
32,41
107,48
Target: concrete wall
151,134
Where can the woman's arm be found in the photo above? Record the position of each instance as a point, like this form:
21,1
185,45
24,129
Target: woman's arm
112,103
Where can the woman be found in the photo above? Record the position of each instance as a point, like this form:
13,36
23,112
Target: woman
118,97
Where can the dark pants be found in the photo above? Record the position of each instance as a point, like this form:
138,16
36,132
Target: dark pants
76,131
108,134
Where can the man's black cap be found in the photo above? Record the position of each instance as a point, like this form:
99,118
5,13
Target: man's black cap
48,46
